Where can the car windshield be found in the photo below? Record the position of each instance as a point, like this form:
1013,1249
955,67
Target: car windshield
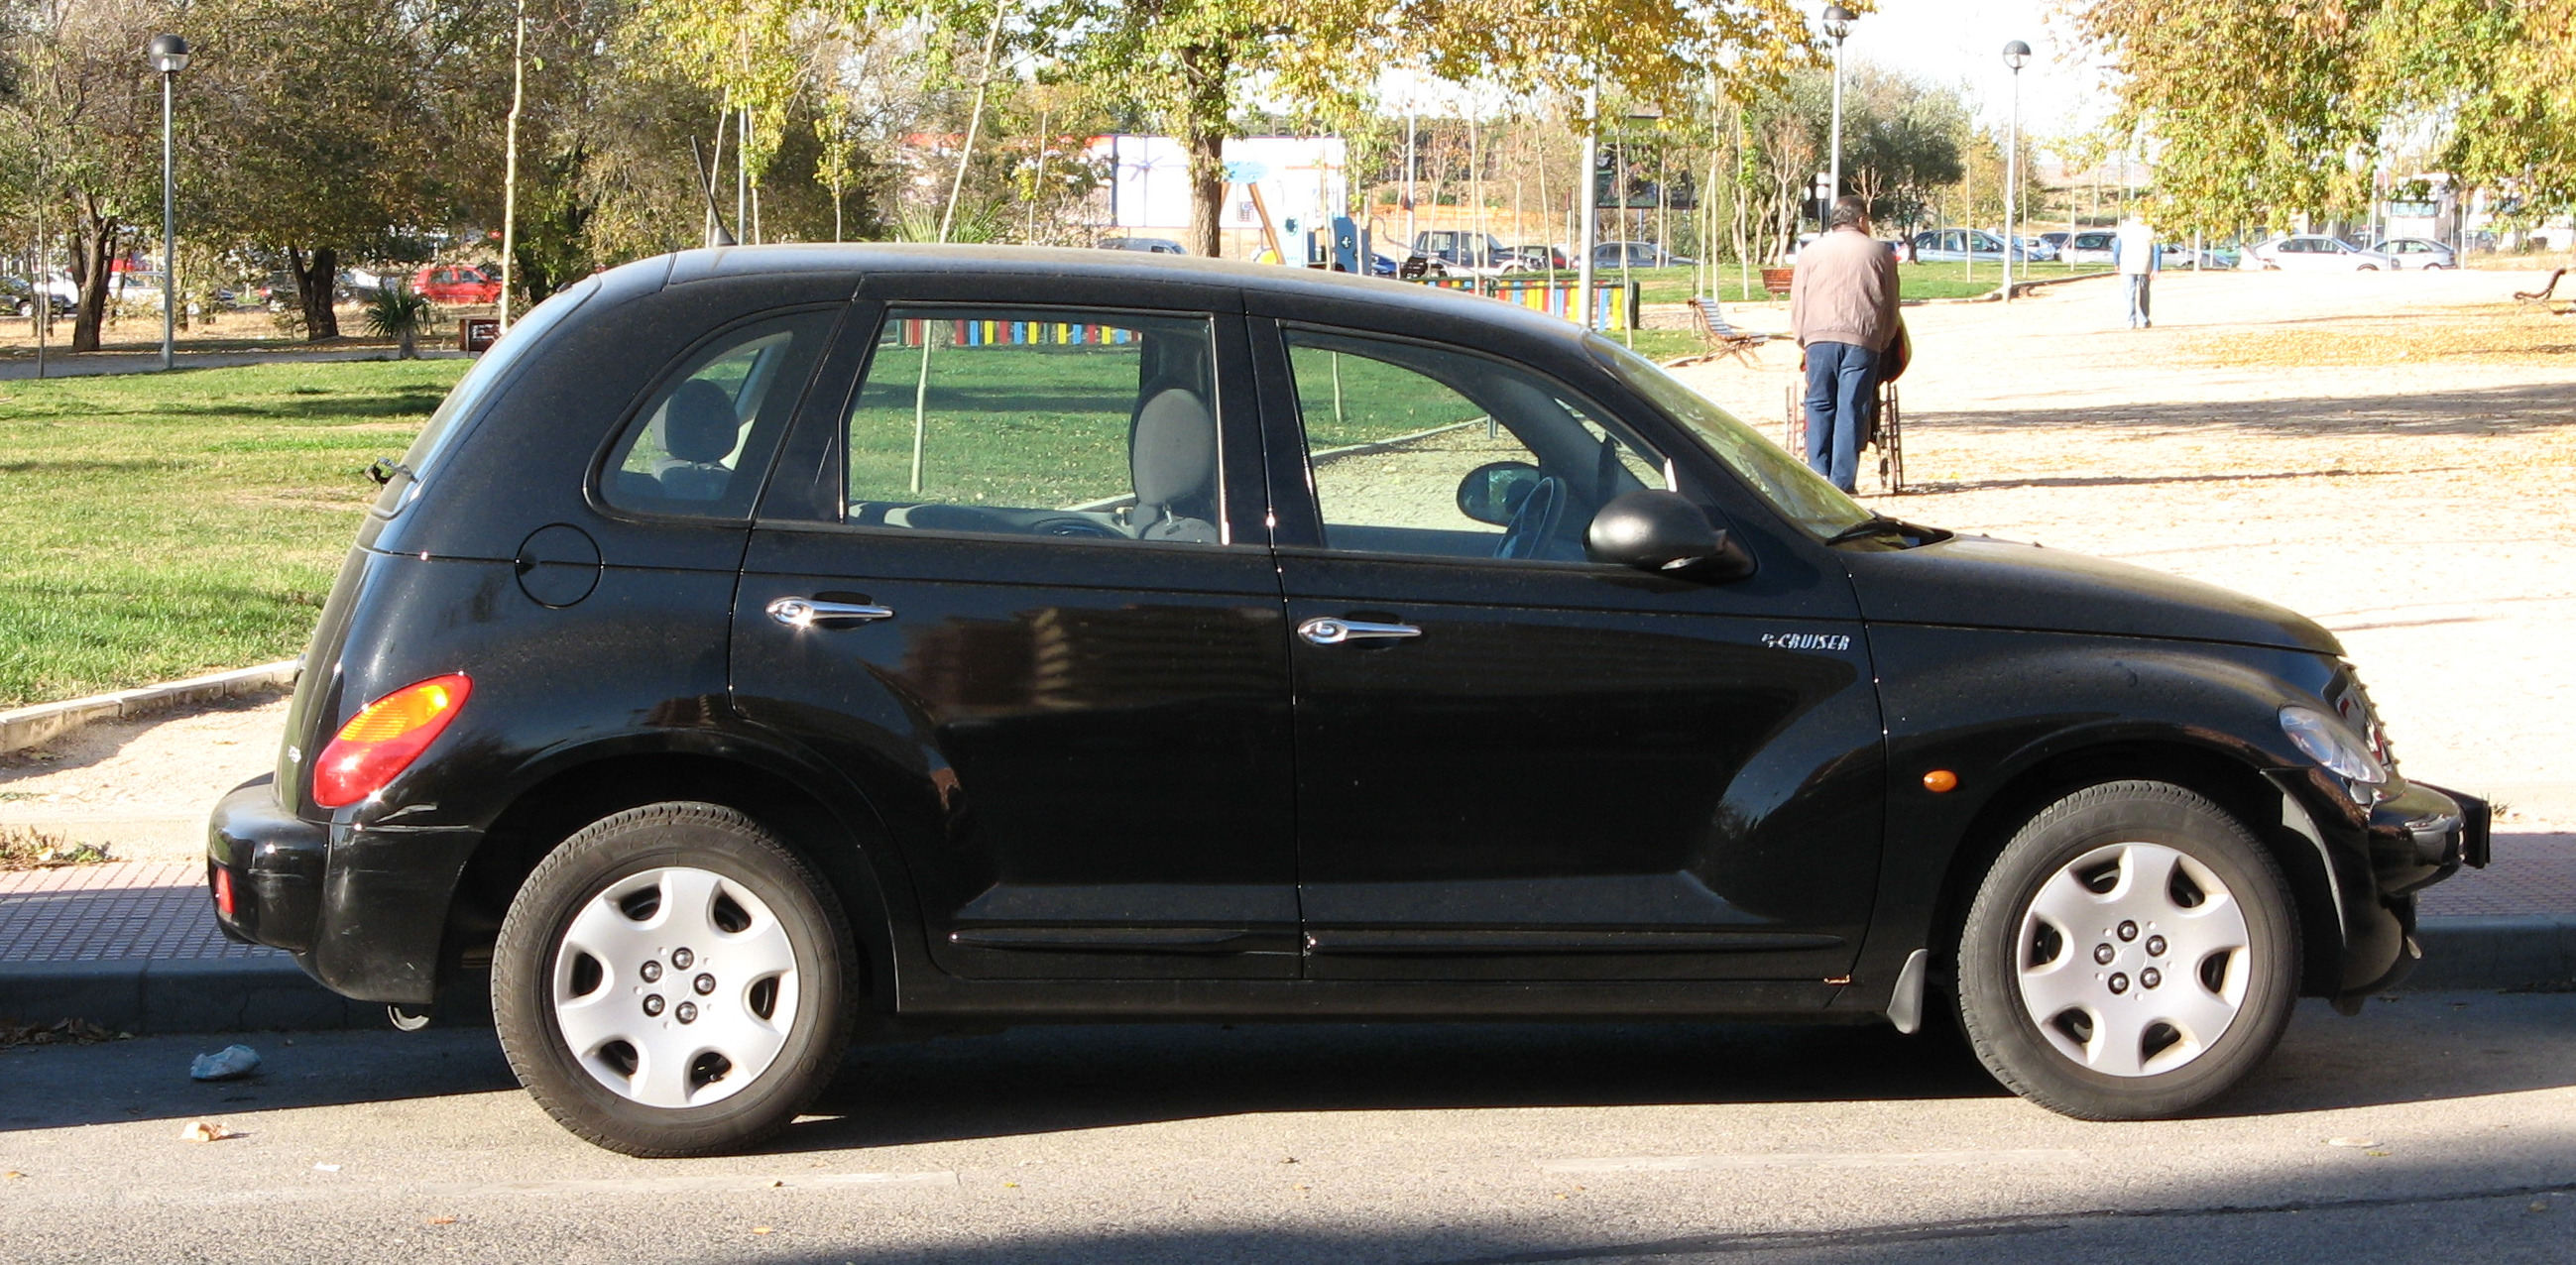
1793,489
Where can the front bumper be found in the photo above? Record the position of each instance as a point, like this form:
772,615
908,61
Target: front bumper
363,908
2378,858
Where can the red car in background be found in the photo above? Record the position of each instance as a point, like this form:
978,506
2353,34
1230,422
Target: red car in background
448,283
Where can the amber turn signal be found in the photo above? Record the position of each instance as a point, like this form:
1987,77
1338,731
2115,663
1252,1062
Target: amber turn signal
384,738
1940,781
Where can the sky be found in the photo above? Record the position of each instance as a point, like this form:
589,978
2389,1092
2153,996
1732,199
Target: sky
1962,41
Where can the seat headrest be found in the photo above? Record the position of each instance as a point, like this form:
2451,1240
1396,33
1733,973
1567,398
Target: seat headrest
1173,457
698,424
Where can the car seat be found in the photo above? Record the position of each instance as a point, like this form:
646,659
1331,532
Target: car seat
1171,445
698,429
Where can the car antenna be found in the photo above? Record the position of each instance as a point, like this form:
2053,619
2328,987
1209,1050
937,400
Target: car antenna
717,234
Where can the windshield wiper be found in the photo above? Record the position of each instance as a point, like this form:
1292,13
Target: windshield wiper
1882,525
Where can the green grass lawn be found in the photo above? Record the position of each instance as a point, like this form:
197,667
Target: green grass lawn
153,526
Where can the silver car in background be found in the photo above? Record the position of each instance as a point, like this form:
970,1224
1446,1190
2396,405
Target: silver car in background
2314,252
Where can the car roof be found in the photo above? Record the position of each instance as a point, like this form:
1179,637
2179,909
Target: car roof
1124,267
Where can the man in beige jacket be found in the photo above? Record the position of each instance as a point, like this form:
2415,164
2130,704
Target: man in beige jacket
1842,306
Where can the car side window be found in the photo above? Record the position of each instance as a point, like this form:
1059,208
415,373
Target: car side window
700,445
1420,450
1079,425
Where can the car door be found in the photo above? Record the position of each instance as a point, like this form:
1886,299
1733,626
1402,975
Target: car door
1531,766
1002,581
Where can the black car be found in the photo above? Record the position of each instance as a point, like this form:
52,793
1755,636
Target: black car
18,298
762,639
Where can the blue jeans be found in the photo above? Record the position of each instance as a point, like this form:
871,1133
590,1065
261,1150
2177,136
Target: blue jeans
2137,285
1842,381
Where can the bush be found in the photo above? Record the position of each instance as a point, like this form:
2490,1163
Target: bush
397,313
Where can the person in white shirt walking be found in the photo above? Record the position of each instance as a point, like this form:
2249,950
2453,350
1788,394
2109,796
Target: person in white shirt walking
2134,253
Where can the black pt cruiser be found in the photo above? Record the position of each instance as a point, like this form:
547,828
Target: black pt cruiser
761,639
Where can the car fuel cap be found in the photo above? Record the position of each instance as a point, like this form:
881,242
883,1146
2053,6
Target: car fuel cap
558,565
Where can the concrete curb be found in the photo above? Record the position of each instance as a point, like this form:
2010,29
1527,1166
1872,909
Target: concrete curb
2524,952
27,726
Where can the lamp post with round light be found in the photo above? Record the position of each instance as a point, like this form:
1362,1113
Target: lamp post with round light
2016,55
169,56
1838,22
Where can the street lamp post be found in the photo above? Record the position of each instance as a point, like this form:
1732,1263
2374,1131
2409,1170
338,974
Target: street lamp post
1589,199
2016,54
169,56
1838,22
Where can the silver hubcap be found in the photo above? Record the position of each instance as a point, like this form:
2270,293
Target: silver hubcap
2133,959
675,987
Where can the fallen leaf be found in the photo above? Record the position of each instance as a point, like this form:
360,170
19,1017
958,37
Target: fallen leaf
205,1131
2378,1154
12,1174
441,1221
2539,1205
762,1229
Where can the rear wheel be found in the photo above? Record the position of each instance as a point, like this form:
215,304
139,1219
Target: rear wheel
2132,953
673,981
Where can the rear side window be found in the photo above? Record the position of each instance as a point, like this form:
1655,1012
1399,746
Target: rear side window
700,445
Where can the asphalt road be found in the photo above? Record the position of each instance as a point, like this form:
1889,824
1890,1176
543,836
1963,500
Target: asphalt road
2433,1128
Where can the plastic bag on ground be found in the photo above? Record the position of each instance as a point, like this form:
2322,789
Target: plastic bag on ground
229,1063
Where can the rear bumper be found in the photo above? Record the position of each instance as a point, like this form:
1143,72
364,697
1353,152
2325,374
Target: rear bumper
363,909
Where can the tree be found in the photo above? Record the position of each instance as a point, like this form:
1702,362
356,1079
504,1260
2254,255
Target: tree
84,113
2498,80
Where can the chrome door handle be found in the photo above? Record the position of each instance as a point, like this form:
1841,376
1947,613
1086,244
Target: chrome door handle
806,612
1333,632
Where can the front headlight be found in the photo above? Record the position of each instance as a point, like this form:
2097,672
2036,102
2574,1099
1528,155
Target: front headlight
2327,741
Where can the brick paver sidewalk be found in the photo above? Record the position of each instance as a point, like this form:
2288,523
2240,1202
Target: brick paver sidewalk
160,911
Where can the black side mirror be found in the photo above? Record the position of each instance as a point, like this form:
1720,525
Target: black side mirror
1658,531
1493,492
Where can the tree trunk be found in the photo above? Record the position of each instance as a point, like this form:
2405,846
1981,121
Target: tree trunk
316,275
1202,134
94,238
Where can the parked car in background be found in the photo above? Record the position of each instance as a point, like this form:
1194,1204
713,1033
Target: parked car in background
456,283
2314,252
2090,246
1535,256
18,297
1149,245
1618,713
1459,251
1960,245
2417,252
2057,241
2038,249
1637,255
2181,255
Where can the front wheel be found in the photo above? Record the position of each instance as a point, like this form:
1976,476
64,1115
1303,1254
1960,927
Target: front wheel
673,981
2132,954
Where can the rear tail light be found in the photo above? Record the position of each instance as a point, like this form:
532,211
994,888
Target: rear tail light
384,738
223,891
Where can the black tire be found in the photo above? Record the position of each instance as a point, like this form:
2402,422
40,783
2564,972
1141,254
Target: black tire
1996,957
736,850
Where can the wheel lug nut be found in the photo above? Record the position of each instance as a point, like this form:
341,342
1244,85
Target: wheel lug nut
2103,953
705,984
680,958
2119,984
2155,946
652,1003
2128,931
2151,977
651,971
688,1012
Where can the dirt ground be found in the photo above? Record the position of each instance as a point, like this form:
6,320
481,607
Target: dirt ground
2394,455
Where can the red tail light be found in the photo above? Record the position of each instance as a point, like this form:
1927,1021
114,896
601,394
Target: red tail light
384,738
223,891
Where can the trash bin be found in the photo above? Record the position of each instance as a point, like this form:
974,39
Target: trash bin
475,333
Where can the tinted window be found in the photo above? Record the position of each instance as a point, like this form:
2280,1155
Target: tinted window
701,443
1047,423
1419,450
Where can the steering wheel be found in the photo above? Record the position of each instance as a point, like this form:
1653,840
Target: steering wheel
1535,522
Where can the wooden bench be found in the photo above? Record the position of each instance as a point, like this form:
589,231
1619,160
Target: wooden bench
1776,280
2541,295
1708,320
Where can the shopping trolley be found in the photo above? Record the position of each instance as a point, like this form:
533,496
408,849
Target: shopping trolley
1885,436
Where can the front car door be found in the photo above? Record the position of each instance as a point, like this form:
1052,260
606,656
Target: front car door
1513,763
1005,585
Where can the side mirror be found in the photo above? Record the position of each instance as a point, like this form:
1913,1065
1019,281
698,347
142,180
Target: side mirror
1658,531
1493,492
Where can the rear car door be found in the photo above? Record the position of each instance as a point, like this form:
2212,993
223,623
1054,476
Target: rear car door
1011,578
1513,763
